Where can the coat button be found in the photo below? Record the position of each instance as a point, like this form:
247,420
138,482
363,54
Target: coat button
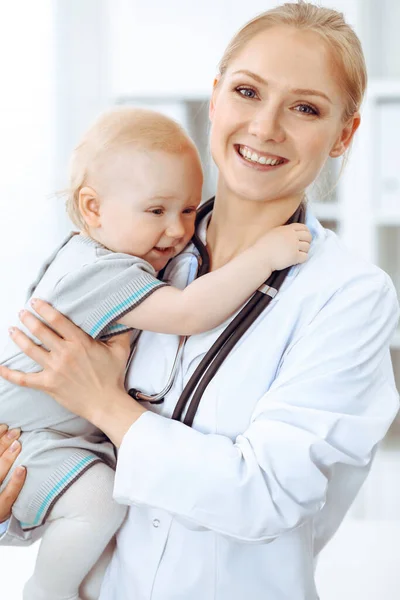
156,523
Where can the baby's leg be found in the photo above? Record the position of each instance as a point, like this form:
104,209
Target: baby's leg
91,585
80,526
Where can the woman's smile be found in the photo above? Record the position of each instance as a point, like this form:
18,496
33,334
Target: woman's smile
261,161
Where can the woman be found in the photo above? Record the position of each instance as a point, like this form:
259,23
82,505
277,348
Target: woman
240,504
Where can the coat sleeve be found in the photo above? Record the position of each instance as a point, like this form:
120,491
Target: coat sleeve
332,401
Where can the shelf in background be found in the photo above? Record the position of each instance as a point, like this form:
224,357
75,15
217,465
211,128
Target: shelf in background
388,219
395,344
383,89
326,211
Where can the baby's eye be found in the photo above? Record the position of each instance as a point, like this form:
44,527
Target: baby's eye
246,92
157,211
306,109
189,211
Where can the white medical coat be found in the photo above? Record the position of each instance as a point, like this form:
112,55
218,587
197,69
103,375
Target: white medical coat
240,505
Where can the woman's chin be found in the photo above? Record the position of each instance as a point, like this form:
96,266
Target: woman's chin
254,193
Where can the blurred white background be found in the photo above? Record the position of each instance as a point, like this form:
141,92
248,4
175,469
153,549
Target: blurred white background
64,61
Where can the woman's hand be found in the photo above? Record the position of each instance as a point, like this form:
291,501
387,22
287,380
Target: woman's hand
85,376
9,450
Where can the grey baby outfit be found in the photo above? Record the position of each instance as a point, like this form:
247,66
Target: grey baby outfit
94,287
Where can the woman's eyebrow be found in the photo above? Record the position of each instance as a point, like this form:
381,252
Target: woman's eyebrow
301,91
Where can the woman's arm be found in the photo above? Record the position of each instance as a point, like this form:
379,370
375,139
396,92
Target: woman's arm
331,403
329,406
210,300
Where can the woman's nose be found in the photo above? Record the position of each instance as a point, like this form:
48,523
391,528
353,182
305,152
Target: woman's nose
267,125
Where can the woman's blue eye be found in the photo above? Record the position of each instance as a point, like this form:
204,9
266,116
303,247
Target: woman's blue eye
306,109
246,92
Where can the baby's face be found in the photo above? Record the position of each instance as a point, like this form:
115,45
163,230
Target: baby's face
148,203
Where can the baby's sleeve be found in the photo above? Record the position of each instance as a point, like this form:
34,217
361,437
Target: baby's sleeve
97,295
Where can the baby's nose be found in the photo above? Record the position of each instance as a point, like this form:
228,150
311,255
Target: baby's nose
175,230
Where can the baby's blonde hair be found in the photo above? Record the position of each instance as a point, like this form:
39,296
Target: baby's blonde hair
330,25
114,129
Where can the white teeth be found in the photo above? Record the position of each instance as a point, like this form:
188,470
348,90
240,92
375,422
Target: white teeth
262,160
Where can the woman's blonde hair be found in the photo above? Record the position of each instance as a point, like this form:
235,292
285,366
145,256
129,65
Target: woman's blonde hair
331,26
114,129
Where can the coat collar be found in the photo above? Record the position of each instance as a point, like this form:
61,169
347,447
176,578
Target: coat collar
183,268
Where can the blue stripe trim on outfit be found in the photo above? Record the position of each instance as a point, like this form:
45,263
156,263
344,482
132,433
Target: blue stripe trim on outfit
117,309
117,326
57,488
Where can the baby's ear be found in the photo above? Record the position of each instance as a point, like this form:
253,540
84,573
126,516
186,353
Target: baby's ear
89,206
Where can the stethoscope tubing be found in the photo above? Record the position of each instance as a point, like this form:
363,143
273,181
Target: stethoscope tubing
159,398
214,358
228,339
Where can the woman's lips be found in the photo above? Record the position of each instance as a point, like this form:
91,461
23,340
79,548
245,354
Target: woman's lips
258,160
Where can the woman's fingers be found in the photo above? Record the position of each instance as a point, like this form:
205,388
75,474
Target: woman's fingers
31,380
9,454
10,447
10,493
57,321
7,437
40,330
28,347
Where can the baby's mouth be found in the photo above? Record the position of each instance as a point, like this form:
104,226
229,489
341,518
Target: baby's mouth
166,250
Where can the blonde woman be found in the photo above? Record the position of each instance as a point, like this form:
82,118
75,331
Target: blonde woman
240,503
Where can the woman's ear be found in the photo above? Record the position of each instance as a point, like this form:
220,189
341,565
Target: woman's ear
213,97
346,135
89,207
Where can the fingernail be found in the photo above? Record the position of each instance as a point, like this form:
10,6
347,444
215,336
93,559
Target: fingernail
11,330
20,471
14,446
33,301
13,433
21,313
3,429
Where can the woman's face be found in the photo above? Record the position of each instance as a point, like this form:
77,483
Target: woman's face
279,100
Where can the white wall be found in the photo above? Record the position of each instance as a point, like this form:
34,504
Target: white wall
27,224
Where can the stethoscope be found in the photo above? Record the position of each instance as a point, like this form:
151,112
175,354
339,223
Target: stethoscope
209,365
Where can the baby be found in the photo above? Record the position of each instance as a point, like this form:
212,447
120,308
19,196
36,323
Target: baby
135,186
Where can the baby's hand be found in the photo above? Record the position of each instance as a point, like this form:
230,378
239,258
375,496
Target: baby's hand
287,245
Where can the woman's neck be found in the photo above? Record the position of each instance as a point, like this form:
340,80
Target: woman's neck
236,224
